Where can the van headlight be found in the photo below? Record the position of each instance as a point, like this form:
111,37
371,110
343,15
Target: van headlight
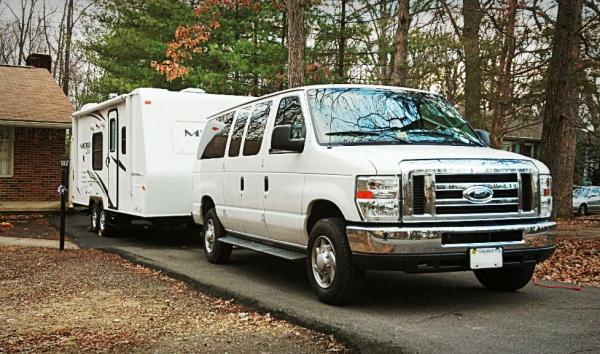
377,198
545,196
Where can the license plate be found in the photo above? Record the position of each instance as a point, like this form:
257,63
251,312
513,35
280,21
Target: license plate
482,258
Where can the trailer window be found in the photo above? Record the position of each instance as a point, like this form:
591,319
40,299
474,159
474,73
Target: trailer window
97,151
123,141
216,147
238,131
256,128
113,135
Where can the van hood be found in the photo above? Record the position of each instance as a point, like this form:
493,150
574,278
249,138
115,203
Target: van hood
386,158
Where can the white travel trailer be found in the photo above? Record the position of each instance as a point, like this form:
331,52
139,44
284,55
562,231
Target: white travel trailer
132,155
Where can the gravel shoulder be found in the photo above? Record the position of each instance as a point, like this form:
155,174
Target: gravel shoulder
91,301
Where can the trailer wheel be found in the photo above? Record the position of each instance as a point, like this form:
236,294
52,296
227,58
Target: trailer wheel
215,251
94,217
105,229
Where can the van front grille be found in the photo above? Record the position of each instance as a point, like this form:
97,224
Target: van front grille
419,195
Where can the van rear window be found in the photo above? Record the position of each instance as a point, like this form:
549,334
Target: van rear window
216,147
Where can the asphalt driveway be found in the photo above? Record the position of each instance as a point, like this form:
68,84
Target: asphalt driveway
447,312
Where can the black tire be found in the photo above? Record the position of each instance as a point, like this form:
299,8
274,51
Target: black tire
94,216
505,279
215,251
583,210
348,281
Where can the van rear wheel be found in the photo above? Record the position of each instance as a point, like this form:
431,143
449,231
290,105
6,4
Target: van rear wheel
331,270
215,251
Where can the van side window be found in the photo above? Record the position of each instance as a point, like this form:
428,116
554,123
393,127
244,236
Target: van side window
238,132
123,141
216,147
97,151
290,113
256,128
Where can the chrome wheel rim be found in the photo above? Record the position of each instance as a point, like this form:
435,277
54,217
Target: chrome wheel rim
102,220
209,236
94,218
323,261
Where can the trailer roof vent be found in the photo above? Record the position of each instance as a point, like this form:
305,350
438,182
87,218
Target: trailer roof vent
193,90
112,95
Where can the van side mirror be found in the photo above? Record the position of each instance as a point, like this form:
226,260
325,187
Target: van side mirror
484,135
281,139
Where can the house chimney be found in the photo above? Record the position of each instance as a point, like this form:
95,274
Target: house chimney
36,60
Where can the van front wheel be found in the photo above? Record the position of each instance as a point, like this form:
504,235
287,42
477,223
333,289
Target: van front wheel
505,279
331,270
215,251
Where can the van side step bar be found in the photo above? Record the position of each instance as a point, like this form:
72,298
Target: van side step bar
263,248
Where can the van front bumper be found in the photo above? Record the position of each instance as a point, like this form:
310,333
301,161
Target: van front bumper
445,248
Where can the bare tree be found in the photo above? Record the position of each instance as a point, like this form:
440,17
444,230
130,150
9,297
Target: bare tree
560,110
68,38
295,35
504,77
470,37
400,68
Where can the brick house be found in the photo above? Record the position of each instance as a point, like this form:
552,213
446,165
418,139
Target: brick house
34,118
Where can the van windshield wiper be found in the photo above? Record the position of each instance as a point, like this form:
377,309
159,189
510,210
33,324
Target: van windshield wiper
352,133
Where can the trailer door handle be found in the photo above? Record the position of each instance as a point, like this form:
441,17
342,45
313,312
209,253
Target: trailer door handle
266,183
242,183
107,161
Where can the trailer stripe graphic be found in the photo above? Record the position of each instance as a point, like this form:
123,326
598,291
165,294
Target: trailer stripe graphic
94,175
121,166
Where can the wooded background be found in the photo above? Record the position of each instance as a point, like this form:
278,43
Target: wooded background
506,64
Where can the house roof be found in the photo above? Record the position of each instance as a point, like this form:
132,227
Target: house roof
531,130
30,97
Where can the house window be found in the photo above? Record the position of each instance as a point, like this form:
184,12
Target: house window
7,142
97,151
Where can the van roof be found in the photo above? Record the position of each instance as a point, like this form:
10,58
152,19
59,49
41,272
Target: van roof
312,87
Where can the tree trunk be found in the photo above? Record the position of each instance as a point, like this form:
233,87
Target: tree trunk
400,69
342,44
69,36
504,92
560,110
472,21
295,34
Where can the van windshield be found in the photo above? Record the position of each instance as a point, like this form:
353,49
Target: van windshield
368,116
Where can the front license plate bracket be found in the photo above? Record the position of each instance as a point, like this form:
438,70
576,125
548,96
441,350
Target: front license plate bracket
485,257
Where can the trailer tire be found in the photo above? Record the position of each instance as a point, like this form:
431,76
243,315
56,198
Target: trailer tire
94,216
105,229
505,279
215,251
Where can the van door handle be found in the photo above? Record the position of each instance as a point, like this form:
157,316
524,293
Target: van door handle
266,183
241,183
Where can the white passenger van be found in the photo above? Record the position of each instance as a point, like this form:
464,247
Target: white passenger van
354,177
131,156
